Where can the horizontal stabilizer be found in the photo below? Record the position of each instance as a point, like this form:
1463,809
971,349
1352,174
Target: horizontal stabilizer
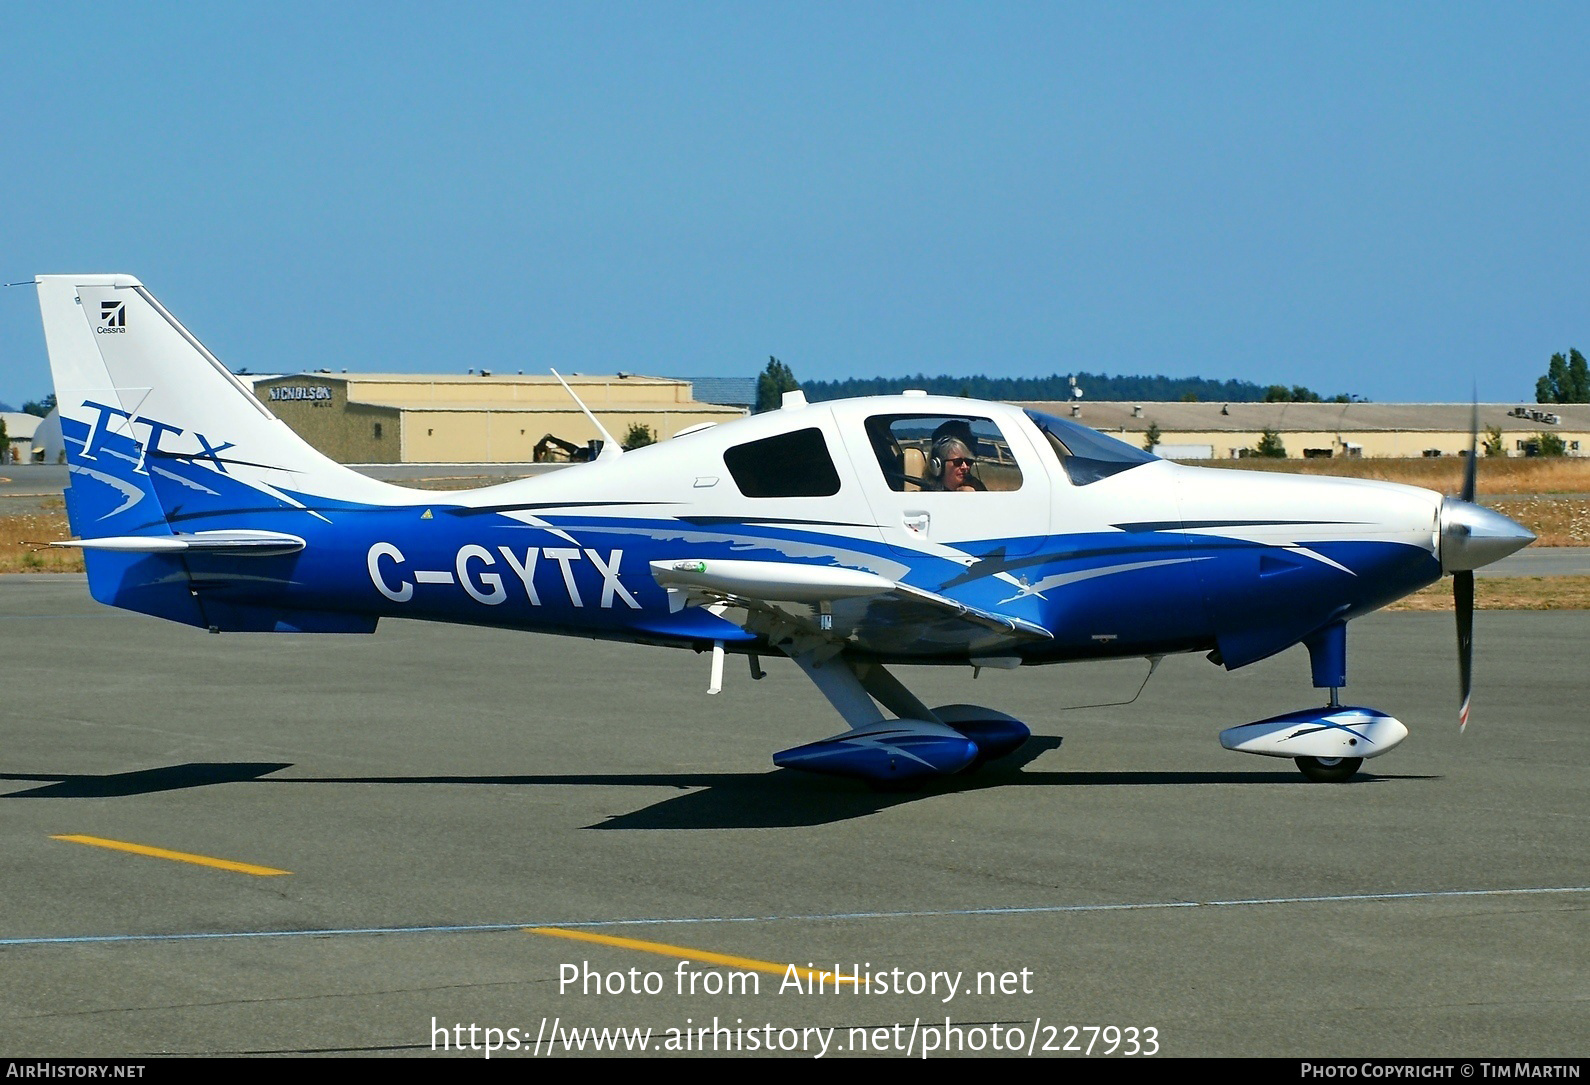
242,543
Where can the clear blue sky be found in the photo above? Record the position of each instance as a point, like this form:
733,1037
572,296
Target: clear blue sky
1390,200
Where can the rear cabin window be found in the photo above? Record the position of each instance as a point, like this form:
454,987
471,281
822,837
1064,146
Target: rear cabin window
789,465
943,452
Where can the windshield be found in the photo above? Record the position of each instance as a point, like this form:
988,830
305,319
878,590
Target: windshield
1087,455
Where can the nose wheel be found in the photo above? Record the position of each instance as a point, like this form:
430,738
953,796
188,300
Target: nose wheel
1328,770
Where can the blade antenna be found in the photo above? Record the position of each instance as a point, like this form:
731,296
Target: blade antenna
611,449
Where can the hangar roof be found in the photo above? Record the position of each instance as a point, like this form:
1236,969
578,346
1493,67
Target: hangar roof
492,377
732,391
20,426
1316,417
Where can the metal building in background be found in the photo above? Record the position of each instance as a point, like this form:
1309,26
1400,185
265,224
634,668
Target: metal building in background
445,418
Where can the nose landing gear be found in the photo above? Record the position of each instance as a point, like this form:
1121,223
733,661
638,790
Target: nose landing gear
1328,770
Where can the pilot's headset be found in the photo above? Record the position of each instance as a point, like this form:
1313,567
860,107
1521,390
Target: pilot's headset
942,448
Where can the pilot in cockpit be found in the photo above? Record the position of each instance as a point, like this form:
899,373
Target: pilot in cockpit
951,466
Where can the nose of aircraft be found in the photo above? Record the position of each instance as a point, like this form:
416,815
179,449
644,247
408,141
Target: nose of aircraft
1472,536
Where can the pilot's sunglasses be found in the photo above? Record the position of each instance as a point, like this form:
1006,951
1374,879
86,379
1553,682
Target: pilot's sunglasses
959,461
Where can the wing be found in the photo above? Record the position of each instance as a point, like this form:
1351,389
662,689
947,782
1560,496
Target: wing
812,605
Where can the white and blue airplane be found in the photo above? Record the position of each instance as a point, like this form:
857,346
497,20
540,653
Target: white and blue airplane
848,536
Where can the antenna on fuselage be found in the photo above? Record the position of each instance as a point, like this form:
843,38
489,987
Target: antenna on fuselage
608,444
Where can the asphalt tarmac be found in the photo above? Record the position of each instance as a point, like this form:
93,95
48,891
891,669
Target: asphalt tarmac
433,793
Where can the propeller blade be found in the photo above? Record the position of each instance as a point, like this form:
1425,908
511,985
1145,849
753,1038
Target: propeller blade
1463,580
1474,448
1463,600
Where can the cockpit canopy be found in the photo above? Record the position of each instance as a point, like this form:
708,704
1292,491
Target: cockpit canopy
923,450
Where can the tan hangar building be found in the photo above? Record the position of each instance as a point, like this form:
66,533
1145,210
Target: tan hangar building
1222,431
429,418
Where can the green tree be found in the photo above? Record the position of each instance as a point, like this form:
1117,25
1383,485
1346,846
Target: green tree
775,380
1567,380
1492,445
1270,445
1578,377
1549,444
5,443
639,435
1557,375
1280,393
1151,438
40,407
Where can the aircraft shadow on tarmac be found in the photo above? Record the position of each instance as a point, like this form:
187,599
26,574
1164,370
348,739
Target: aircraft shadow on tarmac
777,799
142,782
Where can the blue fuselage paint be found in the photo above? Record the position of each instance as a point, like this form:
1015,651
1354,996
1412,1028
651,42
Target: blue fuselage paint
1145,589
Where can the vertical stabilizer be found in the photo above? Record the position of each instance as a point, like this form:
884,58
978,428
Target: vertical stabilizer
161,439
145,408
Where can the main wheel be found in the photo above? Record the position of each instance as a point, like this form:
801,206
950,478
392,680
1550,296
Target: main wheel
1328,770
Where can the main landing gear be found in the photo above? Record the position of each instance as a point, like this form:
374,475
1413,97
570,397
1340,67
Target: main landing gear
895,754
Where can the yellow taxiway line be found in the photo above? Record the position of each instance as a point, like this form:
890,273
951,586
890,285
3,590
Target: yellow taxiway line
177,856
705,956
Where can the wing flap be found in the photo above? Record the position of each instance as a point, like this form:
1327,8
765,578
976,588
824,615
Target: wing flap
850,607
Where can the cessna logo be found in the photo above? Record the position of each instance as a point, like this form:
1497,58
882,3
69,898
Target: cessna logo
474,570
112,317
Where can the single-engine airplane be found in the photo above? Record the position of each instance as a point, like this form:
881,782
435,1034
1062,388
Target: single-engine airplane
848,536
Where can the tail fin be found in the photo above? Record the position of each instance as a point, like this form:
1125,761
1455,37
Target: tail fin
130,378
162,441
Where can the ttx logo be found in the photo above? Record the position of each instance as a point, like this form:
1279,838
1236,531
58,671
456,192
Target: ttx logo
113,421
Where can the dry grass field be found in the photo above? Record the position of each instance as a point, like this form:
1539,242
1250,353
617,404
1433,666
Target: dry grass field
1496,477
1507,593
1551,497
1556,521
23,539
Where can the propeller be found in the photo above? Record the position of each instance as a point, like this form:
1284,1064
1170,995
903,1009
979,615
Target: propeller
1472,536
1463,583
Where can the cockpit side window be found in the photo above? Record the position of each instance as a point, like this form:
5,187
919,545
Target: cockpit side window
788,465
948,453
